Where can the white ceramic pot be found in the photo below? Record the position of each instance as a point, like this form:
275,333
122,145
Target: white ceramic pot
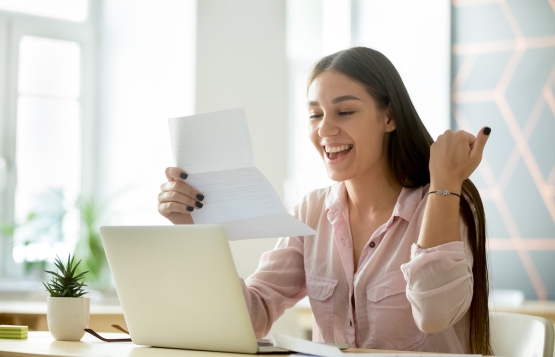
67,317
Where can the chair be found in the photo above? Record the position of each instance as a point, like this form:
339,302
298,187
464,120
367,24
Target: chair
518,335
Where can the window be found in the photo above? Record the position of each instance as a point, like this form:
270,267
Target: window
46,61
48,146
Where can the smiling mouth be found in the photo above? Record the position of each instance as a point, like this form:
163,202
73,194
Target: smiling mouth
334,153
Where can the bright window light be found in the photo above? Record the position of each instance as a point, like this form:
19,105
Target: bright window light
72,10
48,147
49,67
336,26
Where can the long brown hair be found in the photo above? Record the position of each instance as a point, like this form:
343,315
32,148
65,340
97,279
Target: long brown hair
409,156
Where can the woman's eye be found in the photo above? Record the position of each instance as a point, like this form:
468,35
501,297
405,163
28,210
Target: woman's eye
345,113
315,116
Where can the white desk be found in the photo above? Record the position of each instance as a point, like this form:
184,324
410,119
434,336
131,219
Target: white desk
42,344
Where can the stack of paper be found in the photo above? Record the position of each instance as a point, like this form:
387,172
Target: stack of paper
13,332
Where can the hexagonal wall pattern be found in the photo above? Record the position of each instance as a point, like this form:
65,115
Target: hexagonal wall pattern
503,76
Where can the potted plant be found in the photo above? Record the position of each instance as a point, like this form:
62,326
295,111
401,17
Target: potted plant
68,311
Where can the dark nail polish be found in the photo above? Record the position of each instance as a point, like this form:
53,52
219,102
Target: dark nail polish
183,175
200,197
190,209
487,130
198,204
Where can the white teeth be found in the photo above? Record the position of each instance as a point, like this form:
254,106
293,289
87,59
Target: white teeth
338,148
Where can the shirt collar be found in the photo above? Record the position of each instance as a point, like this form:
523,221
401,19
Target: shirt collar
336,200
407,202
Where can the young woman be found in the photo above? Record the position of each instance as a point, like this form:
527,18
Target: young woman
398,261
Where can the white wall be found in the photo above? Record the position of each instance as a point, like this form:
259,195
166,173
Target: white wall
241,63
416,37
146,75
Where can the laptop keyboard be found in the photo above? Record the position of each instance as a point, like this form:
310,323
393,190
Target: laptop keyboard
262,342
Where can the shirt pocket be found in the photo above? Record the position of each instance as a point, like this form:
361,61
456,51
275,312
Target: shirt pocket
389,312
320,292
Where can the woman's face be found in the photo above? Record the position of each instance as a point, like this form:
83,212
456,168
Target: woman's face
346,127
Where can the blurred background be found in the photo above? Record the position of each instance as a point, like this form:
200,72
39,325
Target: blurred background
86,87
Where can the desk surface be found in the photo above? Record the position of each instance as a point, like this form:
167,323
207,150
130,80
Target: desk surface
42,344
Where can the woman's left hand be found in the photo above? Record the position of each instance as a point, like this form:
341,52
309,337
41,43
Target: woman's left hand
454,157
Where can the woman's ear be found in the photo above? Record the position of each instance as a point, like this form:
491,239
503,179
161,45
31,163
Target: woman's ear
390,121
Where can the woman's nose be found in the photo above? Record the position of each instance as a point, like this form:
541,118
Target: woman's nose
328,127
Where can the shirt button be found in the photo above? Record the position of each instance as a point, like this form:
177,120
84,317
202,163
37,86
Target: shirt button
343,241
372,244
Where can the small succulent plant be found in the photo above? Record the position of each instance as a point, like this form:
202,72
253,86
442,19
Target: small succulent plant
65,282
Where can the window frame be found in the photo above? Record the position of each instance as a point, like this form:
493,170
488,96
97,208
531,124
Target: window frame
12,28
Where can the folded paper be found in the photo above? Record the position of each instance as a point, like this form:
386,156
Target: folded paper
216,152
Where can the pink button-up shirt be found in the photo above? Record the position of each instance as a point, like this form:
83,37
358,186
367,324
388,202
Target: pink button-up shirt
400,297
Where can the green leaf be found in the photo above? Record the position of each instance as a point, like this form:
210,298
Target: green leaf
31,216
81,275
65,283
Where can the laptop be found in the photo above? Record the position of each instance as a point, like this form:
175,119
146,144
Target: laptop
178,288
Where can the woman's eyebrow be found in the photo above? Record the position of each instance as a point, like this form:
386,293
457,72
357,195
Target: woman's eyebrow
344,98
334,101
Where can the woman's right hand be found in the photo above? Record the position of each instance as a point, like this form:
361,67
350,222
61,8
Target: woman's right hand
177,200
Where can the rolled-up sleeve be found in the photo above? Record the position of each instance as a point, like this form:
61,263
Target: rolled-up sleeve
278,284
439,283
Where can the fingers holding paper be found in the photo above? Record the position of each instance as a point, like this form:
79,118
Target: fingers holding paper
177,199
175,174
